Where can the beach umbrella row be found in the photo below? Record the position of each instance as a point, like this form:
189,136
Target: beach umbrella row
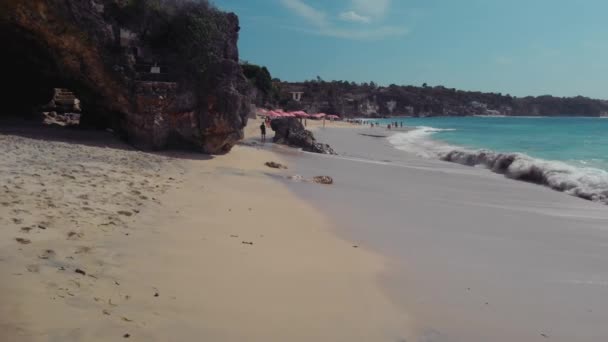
278,113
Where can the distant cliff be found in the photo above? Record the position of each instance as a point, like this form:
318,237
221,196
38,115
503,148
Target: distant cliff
162,73
369,100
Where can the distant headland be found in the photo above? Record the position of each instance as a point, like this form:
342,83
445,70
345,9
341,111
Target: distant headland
350,99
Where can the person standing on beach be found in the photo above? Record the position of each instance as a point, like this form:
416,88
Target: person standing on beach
263,132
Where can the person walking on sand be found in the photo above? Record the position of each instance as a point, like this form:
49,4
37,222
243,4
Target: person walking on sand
263,132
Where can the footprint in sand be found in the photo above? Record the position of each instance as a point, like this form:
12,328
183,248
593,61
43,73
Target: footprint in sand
74,235
83,250
33,268
47,254
23,241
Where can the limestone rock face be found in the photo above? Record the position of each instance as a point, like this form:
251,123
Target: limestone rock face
125,70
290,131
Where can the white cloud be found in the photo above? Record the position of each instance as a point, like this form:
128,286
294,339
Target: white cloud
372,8
306,11
322,25
354,17
366,34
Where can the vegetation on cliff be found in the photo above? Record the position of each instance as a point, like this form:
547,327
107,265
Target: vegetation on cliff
369,99
350,99
260,80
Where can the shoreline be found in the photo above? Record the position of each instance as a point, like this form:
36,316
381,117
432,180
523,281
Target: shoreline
589,182
222,250
470,250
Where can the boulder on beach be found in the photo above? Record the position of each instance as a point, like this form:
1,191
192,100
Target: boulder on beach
323,180
290,131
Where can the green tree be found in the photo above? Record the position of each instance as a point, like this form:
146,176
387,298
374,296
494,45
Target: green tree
259,76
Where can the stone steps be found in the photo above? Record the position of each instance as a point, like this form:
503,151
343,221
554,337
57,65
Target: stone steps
65,100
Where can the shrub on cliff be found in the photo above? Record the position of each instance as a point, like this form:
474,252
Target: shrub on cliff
259,76
189,35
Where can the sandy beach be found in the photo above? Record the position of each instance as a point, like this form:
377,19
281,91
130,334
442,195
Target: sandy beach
102,243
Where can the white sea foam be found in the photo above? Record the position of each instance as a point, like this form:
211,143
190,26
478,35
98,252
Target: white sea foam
418,141
585,182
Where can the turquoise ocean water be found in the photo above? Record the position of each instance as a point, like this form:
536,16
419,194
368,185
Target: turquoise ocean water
566,153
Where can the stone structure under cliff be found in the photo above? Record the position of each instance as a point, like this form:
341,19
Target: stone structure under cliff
142,68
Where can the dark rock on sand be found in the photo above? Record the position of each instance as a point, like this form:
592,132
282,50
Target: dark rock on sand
275,165
290,131
160,74
323,180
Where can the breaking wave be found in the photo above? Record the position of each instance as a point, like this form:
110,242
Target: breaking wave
584,182
418,141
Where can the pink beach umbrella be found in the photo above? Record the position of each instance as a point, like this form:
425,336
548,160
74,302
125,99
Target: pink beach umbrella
300,114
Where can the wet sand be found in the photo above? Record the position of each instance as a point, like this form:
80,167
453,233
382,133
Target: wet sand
475,256
100,242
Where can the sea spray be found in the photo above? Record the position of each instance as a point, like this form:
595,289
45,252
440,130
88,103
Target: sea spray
584,182
587,183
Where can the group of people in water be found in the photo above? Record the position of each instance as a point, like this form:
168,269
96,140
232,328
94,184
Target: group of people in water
396,124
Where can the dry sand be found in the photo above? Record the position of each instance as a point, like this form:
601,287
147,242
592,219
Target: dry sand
174,248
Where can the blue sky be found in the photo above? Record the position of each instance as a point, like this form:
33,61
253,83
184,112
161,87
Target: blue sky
520,47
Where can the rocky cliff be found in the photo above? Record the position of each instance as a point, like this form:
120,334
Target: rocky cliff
162,73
